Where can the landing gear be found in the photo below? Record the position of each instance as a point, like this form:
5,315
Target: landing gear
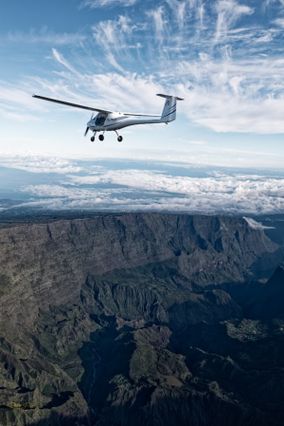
93,138
102,138
119,138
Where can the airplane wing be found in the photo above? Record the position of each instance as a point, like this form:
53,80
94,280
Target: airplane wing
71,104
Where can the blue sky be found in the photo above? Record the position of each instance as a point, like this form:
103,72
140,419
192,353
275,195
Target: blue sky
225,57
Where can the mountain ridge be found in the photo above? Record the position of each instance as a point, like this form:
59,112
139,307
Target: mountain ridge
116,318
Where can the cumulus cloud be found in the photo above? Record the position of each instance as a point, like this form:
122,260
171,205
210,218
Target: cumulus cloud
37,164
135,189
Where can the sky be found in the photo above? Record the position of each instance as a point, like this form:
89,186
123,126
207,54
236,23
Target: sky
225,57
225,151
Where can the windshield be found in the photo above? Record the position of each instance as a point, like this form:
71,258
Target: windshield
100,120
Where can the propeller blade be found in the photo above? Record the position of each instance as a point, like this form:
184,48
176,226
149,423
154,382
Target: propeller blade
87,129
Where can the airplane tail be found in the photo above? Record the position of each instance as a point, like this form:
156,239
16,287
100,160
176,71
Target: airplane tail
169,111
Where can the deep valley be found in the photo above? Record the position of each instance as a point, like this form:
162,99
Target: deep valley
145,319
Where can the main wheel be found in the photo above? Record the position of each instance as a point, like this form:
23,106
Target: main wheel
101,137
93,139
119,139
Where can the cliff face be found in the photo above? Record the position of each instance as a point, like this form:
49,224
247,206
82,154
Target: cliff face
123,319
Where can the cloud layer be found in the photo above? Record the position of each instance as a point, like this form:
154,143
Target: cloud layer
110,185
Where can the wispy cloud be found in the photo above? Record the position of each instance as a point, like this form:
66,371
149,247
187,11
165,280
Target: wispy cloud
230,71
44,35
228,13
159,21
94,4
179,9
62,61
17,104
113,37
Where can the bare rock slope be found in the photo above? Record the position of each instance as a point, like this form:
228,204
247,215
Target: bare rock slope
135,319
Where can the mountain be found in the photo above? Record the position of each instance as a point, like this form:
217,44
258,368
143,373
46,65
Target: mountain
268,302
122,319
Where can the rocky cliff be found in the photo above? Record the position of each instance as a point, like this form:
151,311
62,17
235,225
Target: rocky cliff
135,318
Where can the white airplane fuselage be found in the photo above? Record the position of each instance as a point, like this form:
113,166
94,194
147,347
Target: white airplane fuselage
116,121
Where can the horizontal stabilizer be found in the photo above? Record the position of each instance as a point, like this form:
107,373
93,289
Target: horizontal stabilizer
169,96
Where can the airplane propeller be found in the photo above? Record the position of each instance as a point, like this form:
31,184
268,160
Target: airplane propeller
88,128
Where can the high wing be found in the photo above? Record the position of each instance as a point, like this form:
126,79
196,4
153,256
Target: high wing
72,104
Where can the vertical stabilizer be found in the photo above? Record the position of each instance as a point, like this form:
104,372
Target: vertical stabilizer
169,111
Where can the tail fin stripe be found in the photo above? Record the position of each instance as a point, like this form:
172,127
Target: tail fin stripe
169,110
172,108
170,113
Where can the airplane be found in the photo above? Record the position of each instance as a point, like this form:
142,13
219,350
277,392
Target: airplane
106,121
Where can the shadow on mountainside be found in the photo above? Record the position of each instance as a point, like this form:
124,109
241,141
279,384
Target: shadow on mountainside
56,419
174,410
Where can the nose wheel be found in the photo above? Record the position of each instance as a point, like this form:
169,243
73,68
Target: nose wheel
101,137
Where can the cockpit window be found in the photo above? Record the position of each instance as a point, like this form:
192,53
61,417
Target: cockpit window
100,121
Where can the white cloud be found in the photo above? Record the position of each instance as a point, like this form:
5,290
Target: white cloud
279,22
17,104
219,192
228,13
158,16
38,164
256,225
179,9
94,4
43,36
12,94
235,96
268,3
113,38
62,61
178,47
